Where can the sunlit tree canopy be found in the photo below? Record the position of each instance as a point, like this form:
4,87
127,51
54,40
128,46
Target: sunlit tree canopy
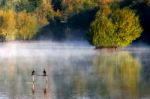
114,28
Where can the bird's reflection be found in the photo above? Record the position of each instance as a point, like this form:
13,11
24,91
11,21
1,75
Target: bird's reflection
45,89
45,76
33,88
46,85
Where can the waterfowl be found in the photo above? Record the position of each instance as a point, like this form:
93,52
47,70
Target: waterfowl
33,72
44,72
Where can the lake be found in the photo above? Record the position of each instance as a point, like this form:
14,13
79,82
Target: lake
75,71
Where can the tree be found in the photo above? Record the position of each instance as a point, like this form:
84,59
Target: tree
72,7
26,25
115,28
28,5
7,24
103,1
44,13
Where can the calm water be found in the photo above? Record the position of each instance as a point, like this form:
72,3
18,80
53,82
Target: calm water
75,71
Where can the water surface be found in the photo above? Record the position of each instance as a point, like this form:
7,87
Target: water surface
75,71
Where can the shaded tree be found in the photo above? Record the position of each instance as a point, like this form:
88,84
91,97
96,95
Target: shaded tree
28,5
71,7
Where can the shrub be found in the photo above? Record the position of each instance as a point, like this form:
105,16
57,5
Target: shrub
115,28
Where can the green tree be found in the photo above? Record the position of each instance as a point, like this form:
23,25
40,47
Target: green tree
71,7
28,5
115,28
8,4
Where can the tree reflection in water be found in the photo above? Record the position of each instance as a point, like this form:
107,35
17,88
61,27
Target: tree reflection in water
119,73
110,75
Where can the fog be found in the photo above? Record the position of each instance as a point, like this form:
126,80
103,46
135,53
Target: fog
44,48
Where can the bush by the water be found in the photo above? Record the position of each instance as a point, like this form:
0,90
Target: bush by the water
115,28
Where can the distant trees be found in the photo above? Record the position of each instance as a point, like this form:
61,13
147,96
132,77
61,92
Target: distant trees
7,24
118,26
14,25
114,28
28,5
26,25
44,13
21,19
71,7
103,1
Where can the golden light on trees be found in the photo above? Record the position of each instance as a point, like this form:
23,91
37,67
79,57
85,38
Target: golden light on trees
7,25
26,25
115,28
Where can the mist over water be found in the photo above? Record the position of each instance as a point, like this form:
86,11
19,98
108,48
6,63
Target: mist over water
11,49
75,71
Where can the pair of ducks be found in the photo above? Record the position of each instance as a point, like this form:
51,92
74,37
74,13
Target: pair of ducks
44,72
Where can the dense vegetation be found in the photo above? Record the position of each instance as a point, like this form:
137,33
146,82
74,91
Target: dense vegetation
113,28
22,19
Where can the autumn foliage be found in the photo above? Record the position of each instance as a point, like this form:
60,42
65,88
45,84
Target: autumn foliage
26,25
116,23
7,24
115,28
18,22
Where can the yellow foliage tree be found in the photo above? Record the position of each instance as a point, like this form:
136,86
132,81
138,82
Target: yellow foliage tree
7,24
26,25
44,13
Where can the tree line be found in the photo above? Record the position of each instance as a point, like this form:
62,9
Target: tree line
109,23
21,19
